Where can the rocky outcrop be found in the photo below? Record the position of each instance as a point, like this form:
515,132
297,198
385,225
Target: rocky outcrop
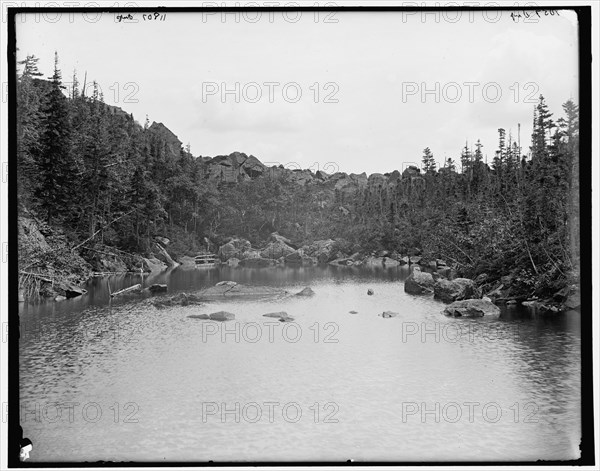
153,264
472,308
30,236
186,261
322,250
458,289
419,282
276,237
239,248
233,168
276,250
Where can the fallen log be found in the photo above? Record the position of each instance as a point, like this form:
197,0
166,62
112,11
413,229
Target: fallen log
137,287
46,278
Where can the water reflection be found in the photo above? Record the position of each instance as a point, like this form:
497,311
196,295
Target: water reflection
152,373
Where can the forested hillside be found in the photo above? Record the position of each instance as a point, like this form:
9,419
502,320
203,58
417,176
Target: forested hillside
94,182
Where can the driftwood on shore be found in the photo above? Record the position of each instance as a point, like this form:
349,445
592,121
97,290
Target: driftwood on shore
126,290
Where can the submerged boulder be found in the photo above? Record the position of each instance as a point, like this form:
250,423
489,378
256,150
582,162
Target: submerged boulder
458,289
180,299
472,308
419,283
239,291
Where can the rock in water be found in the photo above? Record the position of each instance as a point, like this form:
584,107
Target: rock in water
454,290
181,299
573,302
233,262
156,288
69,290
472,308
306,292
419,283
322,250
222,316
226,283
282,316
388,314
257,263
370,292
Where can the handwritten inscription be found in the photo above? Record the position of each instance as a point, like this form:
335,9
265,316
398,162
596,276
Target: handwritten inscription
532,14
145,17
154,16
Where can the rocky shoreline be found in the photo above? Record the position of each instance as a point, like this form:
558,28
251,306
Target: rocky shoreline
55,271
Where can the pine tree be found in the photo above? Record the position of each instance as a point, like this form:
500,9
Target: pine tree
55,165
29,126
429,164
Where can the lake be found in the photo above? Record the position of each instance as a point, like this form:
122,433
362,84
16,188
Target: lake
123,380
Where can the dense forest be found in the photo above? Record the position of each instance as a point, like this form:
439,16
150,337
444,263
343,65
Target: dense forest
95,181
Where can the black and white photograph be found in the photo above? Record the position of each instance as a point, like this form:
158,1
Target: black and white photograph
311,233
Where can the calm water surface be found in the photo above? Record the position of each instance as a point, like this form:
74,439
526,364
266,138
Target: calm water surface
126,381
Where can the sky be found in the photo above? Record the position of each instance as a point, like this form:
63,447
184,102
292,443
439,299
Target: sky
353,91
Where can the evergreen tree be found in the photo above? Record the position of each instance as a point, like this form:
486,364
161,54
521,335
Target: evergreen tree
54,163
429,164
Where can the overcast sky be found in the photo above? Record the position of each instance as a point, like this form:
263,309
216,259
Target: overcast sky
361,77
